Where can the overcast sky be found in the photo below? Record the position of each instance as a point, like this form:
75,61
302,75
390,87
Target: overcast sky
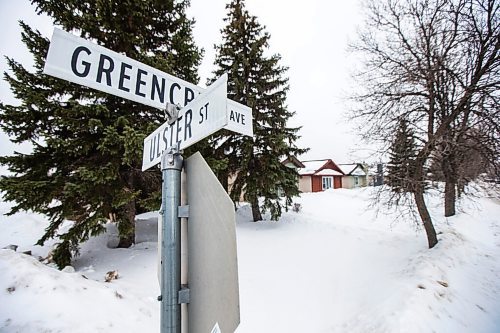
310,36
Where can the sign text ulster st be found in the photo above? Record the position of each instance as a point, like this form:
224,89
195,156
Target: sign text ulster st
197,120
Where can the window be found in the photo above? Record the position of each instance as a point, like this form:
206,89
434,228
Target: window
356,181
327,182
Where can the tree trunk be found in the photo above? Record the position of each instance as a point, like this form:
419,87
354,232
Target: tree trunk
449,198
126,242
418,193
126,226
425,217
257,216
223,177
448,167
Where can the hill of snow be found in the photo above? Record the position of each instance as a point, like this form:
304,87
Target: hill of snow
332,267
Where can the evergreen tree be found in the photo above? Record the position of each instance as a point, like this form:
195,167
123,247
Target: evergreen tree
87,145
258,81
402,153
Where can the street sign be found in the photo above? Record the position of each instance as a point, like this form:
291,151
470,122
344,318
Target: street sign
77,60
197,120
212,256
212,262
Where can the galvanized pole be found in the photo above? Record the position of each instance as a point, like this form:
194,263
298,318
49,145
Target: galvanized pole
170,316
184,252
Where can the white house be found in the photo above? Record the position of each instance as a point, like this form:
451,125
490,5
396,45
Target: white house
355,175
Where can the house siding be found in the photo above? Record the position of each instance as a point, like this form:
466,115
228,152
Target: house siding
312,179
348,181
317,183
305,184
337,181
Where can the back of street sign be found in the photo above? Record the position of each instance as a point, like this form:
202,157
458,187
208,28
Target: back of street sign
212,258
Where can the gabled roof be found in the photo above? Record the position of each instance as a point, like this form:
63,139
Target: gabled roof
352,169
293,160
310,167
326,167
328,172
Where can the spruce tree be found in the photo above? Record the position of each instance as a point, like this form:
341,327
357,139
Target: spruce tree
402,153
87,145
258,81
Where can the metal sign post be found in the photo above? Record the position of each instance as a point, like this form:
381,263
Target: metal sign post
170,316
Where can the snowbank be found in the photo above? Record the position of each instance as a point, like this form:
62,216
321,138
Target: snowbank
335,266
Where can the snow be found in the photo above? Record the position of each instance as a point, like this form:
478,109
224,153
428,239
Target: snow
328,172
310,167
334,266
347,168
352,169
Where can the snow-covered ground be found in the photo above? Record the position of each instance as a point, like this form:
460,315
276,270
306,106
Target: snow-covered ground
332,267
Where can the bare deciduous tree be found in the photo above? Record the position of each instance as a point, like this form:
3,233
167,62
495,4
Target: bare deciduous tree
434,62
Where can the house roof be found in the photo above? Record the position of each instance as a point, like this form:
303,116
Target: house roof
328,172
293,160
327,167
352,169
310,167
320,167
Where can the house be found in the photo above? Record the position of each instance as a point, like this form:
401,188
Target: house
319,175
290,162
293,162
355,175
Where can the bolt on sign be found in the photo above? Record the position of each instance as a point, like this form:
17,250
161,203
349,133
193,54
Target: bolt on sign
197,120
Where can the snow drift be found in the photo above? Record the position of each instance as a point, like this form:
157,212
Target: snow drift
334,266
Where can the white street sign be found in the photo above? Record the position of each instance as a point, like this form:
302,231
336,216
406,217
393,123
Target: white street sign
205,115
77,60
